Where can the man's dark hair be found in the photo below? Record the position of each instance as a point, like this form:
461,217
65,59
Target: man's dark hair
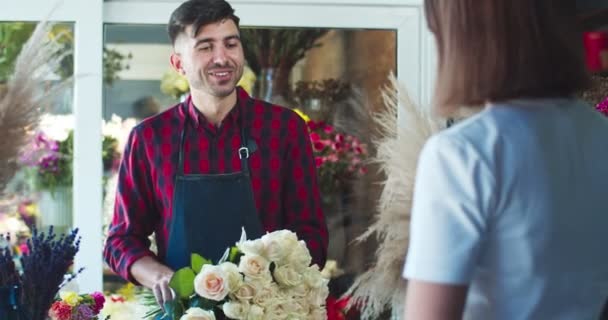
199,13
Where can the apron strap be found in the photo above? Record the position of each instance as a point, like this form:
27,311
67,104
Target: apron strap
248,146
182,138
244,150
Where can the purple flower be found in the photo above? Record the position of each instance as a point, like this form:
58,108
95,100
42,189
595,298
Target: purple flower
603,107
84,312
40,152
49,163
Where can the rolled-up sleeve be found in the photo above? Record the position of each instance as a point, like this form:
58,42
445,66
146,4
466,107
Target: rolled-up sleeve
453,198
134,212
302,204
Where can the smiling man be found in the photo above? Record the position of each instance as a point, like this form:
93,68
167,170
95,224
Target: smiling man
197,173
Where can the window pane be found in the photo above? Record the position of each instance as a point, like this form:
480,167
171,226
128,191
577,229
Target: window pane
40,193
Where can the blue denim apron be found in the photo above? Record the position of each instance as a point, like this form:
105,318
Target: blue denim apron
209,210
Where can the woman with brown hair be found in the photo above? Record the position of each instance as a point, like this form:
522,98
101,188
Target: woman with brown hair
510,212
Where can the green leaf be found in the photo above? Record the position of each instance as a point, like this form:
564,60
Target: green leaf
234,254
183,282
198,262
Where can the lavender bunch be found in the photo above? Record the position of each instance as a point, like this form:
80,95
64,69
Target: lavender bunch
44,268
8,273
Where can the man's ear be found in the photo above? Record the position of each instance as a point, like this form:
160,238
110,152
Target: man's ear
176,62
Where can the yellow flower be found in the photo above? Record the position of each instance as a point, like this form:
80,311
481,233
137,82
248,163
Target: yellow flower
127,291
71,298
302,114
247,80
174,84
31,209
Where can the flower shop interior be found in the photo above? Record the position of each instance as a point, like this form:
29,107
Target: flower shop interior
337,61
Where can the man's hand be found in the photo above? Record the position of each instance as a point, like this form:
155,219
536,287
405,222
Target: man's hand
162,292
156,276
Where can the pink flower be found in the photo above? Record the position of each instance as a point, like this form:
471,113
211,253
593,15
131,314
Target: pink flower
332,158
339,138
99,301
328,129
60,311
603,107
25,250
314,137
319,161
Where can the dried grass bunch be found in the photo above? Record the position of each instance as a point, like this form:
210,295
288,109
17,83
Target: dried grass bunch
398,146
25,93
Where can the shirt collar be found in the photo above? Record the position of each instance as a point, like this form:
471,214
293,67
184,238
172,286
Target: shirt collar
197,118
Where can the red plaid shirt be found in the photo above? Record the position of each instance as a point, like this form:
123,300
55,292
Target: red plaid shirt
283,176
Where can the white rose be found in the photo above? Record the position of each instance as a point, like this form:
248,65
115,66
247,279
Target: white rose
234,277
279,244
198,314
287,276
245,292
266,295
212,283
57,127
254,266
255,313
318,314
300,257
300,309
236,310
313,278
300,291
252,247
317,297
276,312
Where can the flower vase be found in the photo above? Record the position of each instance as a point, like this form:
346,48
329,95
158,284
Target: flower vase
56,209
313,107
9,303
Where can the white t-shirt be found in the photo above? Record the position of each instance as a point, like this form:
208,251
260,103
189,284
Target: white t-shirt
514,202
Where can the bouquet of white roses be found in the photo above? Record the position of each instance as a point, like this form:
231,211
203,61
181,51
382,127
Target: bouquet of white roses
267,278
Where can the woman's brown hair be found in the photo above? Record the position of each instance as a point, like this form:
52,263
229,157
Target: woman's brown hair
495,50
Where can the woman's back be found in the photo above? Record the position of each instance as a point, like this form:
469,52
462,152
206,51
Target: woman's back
543,250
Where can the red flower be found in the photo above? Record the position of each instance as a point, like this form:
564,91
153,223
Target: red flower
99,301
336,308
318,145
312,126
314,137
337,146
60,311
319,161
